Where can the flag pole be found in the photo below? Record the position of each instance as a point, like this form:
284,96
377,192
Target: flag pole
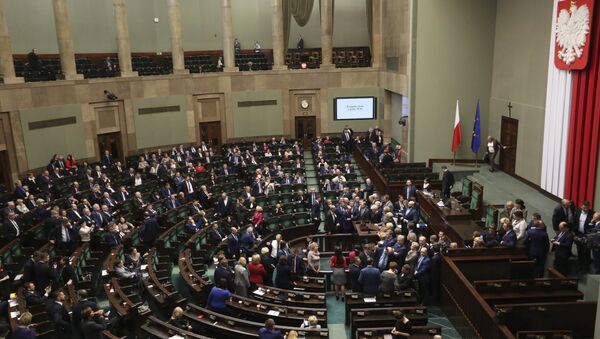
453,158
476,158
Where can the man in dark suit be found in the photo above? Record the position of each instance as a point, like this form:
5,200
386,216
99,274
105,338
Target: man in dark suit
537,242
233,244
107,159
215,236
565,212
447,181
411,214
383,257
43,274
405,279
113,236
297,267
410,191
331,220
509,239
561,245
33,297
65,236
81,305
59,316
44,181
369,278
436,271
187,188
12,229
224,205
167,191
222,272
149,231
369,189
248,242
122,195
583,226
258,188
315,212
423,275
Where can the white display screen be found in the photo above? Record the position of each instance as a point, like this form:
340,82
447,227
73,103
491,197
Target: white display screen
359,108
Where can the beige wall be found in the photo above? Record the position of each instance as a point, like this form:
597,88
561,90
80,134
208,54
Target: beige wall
454,49
519,76
65,139
159,129
257,120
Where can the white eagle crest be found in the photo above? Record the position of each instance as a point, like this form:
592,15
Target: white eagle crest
571,31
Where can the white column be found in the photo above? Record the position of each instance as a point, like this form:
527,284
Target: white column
7,66
228,53
326,33
176,44
123,45
65,40
277,26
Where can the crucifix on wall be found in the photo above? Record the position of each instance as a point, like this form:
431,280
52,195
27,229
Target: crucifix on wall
510,106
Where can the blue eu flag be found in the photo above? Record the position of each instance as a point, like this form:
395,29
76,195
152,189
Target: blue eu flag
476,139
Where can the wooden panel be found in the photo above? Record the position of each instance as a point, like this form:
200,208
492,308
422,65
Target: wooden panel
209,109
107,119
2,137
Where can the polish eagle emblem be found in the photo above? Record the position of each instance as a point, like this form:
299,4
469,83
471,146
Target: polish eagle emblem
572,29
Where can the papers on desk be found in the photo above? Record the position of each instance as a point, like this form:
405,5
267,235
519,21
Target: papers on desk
18,277
273,313
259,292
104,273
143,267
441,204
370,300
14,314
13,303
176,336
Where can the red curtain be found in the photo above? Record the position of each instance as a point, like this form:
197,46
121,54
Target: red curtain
584,129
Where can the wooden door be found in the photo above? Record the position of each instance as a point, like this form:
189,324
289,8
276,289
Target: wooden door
5,180
508,137
210,133
306,128
112,143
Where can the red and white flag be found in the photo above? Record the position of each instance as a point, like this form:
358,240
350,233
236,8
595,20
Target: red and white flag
456,138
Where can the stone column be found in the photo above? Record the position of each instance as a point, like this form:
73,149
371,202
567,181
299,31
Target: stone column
326,33
7,67
277,26
123,39
377,40
176,44
65,40
228,53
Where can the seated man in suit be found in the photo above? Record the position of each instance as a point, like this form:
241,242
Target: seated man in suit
33,297
113,236
122,195
167,191
406,279
191,225
225,171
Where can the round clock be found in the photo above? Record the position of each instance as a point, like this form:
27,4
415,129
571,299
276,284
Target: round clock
304,104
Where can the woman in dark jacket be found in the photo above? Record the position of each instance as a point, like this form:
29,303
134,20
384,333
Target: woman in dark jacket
269,264
92,327
284,274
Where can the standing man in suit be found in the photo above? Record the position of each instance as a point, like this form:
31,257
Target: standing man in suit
537,242
315,212
233,244
149,231
12,229
436,271
565,212
224,205
369,278
411,214
410,191
561,246
447,181
423,275
107,159
59,316
331,220
222,272
583,226
187,188
510,238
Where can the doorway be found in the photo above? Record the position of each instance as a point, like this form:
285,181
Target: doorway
5,179
509,132
112,143
210,133
306,129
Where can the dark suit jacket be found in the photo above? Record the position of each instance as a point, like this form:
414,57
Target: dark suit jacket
79,307
587,224
537,243
247,243
369,279
224,209
61,319
283,276
423,270
10,232
34,298
222,273
411,193
92,329
300,269
411,215
353,274
330,222
149,231
563,249
406,281
233,244
509,239
558,216
447,181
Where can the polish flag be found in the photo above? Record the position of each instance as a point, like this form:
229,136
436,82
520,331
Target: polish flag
457,135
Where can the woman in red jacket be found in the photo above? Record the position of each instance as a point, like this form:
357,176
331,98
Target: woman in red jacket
257,220
70,162
257,272
338,264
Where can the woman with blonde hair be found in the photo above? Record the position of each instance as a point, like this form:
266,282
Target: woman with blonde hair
314,259
257,272
178,320
242,281
311,323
